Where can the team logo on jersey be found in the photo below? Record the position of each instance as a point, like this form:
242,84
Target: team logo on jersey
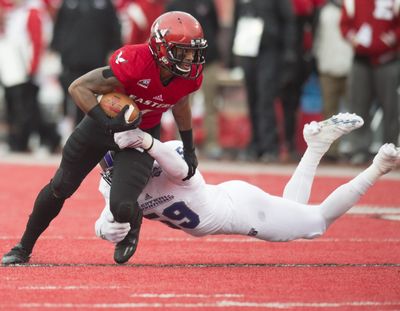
159,98
252,232
119,59
156,172
147,197
144,83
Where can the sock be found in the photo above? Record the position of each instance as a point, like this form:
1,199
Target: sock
298,188
347,195
45,209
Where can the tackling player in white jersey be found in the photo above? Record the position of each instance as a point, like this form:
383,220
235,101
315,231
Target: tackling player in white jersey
237,207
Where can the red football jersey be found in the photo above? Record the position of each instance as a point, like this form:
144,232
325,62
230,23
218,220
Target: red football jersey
382,16
135,68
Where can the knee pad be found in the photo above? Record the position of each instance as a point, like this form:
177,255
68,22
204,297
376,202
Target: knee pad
63,185
123,211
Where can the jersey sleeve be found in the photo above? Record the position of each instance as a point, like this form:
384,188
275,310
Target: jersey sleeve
170,161
122,63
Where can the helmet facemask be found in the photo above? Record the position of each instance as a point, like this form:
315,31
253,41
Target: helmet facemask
187,61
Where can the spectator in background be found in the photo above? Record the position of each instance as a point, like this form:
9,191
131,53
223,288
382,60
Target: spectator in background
205,12
26,33
85,34
136,17
296,72
264,34
333,56
373,29
52,7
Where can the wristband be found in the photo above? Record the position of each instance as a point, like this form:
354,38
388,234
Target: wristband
151,145
187,139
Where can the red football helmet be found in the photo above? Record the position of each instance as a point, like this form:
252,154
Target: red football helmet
177,44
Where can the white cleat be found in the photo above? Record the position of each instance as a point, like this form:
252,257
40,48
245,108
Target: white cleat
323,134
387,158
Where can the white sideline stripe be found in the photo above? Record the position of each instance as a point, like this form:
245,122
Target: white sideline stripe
217,304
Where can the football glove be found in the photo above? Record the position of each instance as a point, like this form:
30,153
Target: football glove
135,138
111,230
188,152
116,124
191,159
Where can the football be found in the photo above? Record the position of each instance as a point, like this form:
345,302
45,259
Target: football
113,102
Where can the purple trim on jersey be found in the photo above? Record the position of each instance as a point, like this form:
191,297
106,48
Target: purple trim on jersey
108,159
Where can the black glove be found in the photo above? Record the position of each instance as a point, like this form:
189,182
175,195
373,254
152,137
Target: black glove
191,159
188,152
116,124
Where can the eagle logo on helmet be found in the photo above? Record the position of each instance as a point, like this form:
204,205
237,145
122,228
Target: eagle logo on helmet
160,33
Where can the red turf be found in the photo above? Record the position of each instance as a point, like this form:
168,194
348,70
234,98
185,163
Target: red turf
355,266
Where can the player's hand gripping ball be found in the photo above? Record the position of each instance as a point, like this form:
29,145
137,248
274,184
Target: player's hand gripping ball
112,103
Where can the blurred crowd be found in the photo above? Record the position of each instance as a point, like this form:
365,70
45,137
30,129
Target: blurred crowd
294,61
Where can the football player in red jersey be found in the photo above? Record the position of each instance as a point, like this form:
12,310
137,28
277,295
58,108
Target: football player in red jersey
158,76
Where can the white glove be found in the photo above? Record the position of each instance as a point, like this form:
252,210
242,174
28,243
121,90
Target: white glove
110,230
133,139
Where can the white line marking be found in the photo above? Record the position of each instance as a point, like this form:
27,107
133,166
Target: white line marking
217,304
172,295
70,287
391,217
373,209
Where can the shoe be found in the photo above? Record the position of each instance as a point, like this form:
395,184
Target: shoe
17,255
125,249
322,134
387,158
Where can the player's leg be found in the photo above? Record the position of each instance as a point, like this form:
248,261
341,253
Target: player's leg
346,196
253,212
80,155
131,171
319,136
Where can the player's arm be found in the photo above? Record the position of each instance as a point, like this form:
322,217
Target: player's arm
84,90
183,118
108,229
183,114
169,159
